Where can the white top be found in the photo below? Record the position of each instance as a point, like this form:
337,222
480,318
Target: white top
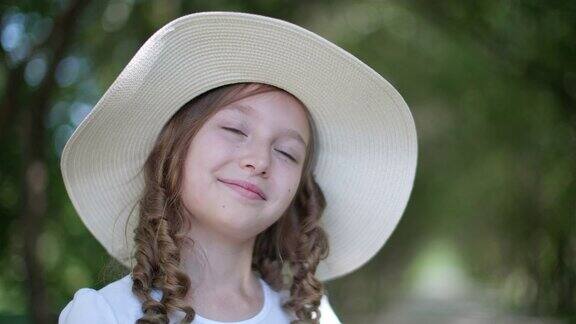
115,303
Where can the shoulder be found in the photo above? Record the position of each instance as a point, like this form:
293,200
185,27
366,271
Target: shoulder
115,303
87,306
327,315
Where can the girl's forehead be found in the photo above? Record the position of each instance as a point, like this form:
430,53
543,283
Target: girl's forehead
240,108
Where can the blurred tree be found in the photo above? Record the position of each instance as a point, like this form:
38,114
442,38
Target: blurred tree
35,104
531,42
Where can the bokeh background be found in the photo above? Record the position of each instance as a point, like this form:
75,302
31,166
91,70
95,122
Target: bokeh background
489,235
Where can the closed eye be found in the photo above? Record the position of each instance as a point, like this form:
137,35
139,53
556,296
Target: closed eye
288,155
234,130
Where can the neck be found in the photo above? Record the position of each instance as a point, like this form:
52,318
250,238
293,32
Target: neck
218,264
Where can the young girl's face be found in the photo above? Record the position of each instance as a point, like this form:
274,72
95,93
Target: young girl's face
260,140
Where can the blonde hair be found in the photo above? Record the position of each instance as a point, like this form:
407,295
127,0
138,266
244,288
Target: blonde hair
295,242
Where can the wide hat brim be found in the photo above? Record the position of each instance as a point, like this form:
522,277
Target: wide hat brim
366,143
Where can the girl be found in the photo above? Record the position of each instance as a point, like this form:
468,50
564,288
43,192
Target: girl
214,137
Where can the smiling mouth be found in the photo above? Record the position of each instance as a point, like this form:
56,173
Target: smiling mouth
243,191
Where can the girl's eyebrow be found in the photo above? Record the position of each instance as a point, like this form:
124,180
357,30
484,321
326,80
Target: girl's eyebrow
242,108
247,110
294,134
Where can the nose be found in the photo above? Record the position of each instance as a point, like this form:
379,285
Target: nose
256,158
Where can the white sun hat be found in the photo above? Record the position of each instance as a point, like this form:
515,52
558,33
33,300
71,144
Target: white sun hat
366,141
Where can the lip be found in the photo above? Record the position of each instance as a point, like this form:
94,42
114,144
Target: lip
248,189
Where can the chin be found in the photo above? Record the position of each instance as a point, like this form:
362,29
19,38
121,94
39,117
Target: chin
247,229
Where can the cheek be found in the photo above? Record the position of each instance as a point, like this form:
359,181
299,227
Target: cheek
198,170
290,185
193,180
209,152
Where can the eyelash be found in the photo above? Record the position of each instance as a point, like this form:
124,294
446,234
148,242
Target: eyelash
234,130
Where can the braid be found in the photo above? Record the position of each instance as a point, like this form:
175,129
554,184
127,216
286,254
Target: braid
306,290
157,261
